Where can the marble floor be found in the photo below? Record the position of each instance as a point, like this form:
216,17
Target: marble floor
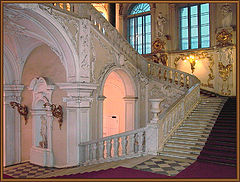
155,164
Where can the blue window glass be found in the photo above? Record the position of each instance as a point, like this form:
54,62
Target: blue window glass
194,26
140,8
139,28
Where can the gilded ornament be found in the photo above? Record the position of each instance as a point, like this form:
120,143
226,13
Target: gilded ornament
22,110
224,38
224,71
158,45
56,112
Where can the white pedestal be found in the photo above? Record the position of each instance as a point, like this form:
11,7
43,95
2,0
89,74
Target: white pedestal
41,156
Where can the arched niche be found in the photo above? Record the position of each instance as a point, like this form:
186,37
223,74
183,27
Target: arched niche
127,93
41,151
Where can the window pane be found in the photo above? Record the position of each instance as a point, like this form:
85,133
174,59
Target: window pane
184,44
204,30
204,19
184,33
205,42
184,22
194,32
140,8
148,48
204,7
184,12
193,10
199,28
194,43
131,26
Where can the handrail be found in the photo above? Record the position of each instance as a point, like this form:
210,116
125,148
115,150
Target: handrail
113,136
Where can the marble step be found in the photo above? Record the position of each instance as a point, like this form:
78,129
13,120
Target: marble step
195,130
187,141
179,155
185,145
189,133
196,127
181,150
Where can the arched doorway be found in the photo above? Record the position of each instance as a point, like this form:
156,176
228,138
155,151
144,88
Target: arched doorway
119,103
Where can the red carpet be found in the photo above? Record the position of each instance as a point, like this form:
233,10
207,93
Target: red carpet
119,172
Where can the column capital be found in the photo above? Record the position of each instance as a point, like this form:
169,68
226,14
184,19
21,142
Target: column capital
78,94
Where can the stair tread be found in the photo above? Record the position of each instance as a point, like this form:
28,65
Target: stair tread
179,154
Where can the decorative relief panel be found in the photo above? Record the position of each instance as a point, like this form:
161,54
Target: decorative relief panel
84,49
70,24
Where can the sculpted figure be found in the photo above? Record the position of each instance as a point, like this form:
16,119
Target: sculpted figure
160,23
43,132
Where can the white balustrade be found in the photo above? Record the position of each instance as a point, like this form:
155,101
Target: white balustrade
111,149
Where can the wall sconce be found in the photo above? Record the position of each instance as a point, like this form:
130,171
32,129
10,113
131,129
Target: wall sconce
192,60
57,112
22,110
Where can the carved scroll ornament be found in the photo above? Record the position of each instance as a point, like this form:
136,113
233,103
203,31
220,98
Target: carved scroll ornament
23,110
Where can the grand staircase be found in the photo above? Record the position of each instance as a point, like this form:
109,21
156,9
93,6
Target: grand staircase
220,147
189,139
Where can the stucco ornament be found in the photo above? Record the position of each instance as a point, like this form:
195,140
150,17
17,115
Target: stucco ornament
227,15
10,18
41,91
121,59
70,24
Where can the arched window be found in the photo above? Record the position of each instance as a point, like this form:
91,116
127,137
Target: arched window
139,28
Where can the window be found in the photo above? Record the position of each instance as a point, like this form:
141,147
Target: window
139,28
194,27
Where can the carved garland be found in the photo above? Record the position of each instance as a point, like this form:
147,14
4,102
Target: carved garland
200,55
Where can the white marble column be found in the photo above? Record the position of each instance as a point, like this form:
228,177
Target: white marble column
11,125
130,104
79,98
100,115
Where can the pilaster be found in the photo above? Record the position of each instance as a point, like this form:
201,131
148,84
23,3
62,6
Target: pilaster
11,124
79,98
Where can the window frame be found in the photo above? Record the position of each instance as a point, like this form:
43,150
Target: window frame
135,17
188,6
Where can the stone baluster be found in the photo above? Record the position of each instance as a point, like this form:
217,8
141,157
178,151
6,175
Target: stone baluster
116,147
184,80
109,147
87,153
131,144
94,151
124,144
179,79
167,75
140,141
101,150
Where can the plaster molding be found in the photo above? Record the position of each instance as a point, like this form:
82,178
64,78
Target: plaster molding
41,91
